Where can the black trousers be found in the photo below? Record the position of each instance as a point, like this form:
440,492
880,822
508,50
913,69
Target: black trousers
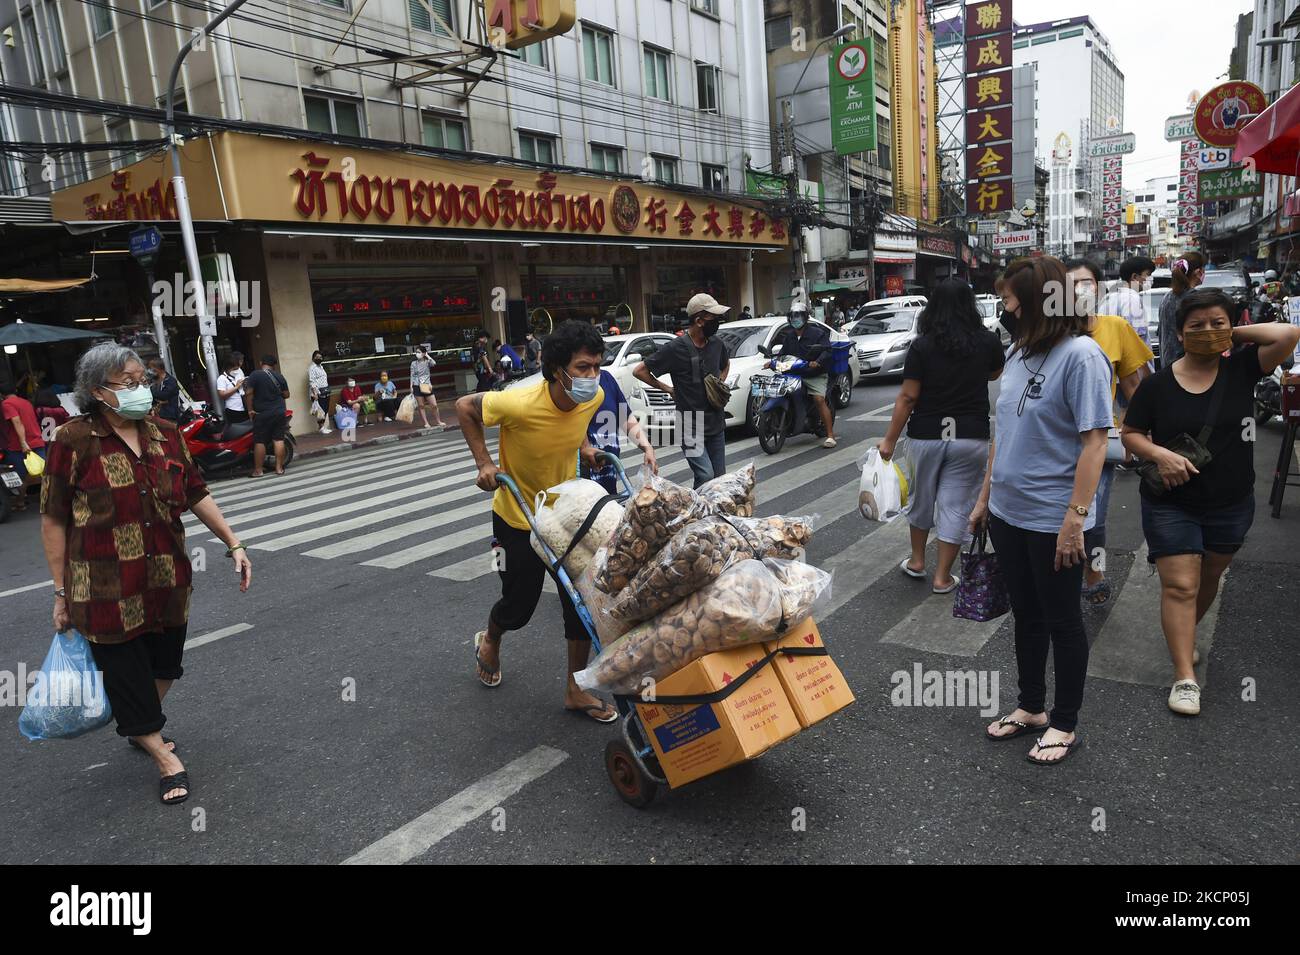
522,574
129,672
1048,613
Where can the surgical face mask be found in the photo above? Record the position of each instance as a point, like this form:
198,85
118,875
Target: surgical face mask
796,322
711,327
581,390
352,383
133,403
1207,342
1147,283
383,379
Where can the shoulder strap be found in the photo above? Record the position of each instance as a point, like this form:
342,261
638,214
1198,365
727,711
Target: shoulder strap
1216,401
695,362
586,525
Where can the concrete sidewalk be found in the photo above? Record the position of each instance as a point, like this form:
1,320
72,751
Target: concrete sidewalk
367,436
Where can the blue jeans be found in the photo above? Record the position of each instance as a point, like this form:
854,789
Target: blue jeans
707,457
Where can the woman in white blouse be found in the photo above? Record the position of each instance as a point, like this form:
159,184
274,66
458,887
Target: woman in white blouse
230,386
318,384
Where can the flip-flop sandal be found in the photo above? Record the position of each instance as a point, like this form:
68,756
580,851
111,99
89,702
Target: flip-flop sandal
949,589
134,745
1068,747
491,671
591,709
179,780
1021,729
1101,590
914,574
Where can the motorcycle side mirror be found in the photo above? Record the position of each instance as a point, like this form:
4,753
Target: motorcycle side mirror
765,351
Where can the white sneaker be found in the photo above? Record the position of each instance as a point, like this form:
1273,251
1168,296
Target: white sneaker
828,443
326,431
1185,698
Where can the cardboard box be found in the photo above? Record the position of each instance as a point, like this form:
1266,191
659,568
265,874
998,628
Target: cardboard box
693,741
814,684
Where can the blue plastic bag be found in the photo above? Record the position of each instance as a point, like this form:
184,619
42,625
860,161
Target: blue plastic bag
345,418
67,698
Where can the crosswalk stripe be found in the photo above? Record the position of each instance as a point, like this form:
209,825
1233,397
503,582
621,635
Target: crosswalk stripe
414,479
931,626
864,562
883,413
1130,648
271,488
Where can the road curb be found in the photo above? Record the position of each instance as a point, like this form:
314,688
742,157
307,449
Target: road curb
343,446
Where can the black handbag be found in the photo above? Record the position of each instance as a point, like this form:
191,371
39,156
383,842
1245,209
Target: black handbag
1195,449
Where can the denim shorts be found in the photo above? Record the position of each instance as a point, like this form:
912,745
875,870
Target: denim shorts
1172,530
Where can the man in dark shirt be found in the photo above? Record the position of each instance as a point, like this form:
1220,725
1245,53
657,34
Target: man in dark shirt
812,343
166,392
689,359
266,390
483,370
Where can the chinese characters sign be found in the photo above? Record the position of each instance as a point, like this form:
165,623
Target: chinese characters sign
1236,182
1189,213
1112,199
988,108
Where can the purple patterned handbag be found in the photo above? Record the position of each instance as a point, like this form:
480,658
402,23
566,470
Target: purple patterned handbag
982,593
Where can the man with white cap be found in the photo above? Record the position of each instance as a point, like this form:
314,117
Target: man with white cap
692,359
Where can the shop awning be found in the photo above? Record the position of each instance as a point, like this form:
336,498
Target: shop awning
895,258
832,286
30,286
30,333
1272,138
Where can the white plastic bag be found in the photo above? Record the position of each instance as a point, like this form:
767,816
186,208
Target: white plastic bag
558,522
880,496
406,410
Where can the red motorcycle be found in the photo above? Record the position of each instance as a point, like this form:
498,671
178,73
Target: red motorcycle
220,449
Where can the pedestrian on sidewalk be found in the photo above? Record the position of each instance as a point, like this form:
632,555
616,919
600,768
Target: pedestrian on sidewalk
690,359
422,386
1045,460
351,397
22,434
318,388
230,386
612,418
385,397
810,341
482,363
1125,299
1185,274
1128,356
1197,521
112,496
266,390
166,391
944,403
543,433
532,354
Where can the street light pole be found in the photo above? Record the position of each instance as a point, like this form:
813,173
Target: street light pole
207,323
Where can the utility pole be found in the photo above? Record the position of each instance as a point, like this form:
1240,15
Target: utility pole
207,323
799,271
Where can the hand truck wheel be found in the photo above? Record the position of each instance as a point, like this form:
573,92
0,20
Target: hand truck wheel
631,784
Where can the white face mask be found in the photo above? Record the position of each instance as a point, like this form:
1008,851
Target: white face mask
1147,283
351,383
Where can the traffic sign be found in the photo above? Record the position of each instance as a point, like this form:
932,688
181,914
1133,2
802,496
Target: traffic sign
144,245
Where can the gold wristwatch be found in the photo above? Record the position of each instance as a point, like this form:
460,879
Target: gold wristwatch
1080,509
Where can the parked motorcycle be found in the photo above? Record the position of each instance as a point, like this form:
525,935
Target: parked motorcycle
1268,397
220,448
786,406
11,489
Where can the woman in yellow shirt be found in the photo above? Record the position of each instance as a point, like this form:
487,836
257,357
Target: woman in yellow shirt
1128,356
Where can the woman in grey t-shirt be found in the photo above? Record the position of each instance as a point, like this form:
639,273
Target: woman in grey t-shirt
1049,443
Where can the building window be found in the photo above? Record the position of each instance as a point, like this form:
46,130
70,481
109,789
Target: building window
598,55
884,143
706,6
101,15
432,16
535,53
120,132
326,114
708,83
657,72
713,178
535,148
606,158
778,32
54,38
35,62
665,168
340,4
443,132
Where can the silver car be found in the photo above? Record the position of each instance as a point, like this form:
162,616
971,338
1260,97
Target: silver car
882,340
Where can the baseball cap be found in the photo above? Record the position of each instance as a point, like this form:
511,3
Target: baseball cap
704,302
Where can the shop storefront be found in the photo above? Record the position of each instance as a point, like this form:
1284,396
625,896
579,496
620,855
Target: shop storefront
936,259
369,254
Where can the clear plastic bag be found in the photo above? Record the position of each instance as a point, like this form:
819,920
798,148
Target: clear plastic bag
560,520
598,603
653,515
742,606
700,552
732,493
67,698
804,588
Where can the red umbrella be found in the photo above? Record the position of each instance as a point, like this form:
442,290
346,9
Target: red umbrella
1272,139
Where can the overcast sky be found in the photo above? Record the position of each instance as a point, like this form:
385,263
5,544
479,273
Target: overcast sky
1165,51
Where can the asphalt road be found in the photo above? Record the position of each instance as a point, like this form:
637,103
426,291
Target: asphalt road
371,571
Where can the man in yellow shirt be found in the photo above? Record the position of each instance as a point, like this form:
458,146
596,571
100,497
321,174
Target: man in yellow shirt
1128,356
543,435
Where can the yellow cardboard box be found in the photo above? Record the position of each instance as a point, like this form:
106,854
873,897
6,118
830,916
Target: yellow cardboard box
692,741
814,684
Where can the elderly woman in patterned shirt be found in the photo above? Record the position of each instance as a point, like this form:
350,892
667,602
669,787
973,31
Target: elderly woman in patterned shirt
115,485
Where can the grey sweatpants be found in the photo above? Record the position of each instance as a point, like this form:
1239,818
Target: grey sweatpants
946,481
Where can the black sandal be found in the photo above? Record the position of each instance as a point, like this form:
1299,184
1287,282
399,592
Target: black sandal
179,780
1021,729
1068,747
134,745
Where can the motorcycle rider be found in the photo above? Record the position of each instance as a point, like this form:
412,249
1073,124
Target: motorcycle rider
812,343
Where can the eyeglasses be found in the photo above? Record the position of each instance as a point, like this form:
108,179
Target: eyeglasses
120,385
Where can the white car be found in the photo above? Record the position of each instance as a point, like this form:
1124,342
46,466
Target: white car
882,340
890,304
1151,300
622,354
743,340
